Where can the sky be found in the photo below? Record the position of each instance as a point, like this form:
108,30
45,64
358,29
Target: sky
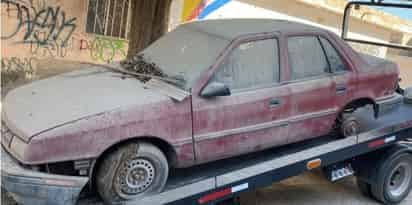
403,13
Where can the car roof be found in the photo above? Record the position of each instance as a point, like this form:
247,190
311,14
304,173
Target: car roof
233,28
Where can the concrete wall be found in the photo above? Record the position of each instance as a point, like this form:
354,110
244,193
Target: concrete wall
43,34
26,35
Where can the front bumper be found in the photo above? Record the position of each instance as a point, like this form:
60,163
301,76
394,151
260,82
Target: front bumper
30,187
388,104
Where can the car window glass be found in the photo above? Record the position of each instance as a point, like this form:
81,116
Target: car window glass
306,57
335,60
250,64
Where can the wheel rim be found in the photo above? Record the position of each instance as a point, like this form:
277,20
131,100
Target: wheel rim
135,176
351,128
400,179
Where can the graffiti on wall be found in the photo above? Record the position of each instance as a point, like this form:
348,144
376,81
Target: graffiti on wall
51,21
44,30
14,68
106,49
50,50
37,32
48,32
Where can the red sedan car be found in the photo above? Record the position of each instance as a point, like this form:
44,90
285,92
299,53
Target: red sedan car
222,88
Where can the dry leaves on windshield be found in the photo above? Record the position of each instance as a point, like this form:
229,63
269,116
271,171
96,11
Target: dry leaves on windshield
139,65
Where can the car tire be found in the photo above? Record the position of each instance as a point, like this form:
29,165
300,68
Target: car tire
393,179
349,126
131,172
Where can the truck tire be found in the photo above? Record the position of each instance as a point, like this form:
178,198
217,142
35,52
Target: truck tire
364,187
393,179
349,126
131,172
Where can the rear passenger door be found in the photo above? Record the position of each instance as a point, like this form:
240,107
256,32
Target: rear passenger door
312,89
344,79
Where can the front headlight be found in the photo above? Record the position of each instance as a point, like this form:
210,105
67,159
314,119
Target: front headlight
6,135
18,147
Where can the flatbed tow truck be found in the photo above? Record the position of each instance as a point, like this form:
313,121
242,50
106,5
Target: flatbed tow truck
380,158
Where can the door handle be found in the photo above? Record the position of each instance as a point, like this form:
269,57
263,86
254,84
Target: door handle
274,103
341,89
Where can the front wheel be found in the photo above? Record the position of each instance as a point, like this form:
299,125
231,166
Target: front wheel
133,171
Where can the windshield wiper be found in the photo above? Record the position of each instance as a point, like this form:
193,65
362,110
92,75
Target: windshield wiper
143,71
175,81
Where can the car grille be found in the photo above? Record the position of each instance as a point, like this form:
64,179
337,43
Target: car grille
6,135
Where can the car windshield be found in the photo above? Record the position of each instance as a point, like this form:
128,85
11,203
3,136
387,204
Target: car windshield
185,53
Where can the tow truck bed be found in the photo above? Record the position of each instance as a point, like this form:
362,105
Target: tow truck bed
213,182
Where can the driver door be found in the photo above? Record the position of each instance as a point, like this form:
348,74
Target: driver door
254,116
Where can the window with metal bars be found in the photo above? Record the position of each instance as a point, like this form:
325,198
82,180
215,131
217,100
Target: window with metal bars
109,17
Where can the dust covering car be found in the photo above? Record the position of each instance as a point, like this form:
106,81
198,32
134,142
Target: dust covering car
206,91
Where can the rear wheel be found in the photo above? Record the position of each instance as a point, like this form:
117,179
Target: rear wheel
394,180
349,125
132,172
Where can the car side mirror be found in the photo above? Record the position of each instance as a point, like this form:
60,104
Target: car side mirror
215,89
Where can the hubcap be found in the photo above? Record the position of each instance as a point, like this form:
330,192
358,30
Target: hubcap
351,128
135,176
399,179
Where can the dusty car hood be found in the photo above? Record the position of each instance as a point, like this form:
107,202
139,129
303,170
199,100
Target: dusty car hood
50,103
